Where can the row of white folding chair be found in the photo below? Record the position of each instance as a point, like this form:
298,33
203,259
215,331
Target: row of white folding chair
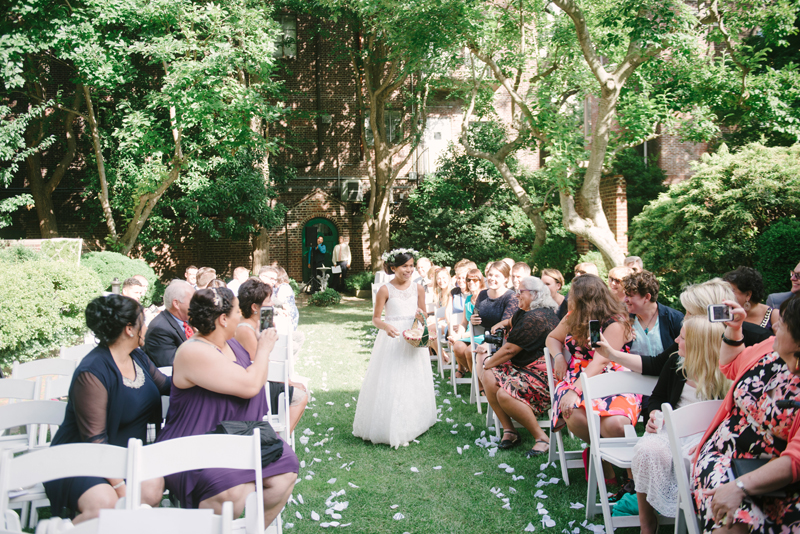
679,424
280,371
136,464
616,451
442,347
436,356
15,390
45,367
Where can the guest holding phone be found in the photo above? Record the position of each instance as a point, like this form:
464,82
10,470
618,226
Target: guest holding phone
255,296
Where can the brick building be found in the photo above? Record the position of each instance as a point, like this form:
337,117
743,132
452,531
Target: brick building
331,186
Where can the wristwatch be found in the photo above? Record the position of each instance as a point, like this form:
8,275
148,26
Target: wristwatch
740,485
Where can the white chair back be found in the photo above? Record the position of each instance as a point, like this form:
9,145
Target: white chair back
680,423
45,367
34,412
77,352
279,372
201,452
16,389
57,388
70,460
617,451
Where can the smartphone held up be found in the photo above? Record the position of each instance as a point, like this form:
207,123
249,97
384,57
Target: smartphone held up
594,333
719,313
267,313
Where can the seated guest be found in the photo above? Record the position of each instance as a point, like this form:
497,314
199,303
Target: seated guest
586,268
441,286
190,275
240,274
695,300
171,327
615,277
493,305
457,297
475,284
421,275
204,276
590,299
655,326
253,294
634,263
217,282
692,374
132,288
751,424
515,377
115,392
554,281
520,271
283,298
213,380
748,288
774,300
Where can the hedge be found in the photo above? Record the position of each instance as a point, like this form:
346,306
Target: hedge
109,265
43,307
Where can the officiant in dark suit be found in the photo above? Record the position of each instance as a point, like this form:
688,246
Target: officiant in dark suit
171,327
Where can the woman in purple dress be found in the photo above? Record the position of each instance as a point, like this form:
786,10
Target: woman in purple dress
206,390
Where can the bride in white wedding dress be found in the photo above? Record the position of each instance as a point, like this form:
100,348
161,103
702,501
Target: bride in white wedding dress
396,403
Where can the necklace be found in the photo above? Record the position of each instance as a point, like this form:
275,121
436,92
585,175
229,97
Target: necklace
198,338
648,325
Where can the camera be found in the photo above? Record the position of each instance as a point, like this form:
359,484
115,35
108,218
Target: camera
495,340
718,313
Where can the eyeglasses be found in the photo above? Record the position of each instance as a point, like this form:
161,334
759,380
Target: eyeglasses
520,291
473,279
580,272
794,275
613,280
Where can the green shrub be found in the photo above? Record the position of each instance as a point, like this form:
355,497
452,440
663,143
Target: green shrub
329,297
362,280
709,224
777,253
110,265
43,307
18,254
294,286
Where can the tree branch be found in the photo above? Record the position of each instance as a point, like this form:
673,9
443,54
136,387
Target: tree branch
584,38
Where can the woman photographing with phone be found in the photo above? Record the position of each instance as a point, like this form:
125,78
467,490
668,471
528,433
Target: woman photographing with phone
590,300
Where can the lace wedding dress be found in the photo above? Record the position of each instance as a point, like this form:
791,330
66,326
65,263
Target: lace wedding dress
396,403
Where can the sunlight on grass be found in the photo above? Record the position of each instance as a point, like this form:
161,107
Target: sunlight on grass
433,487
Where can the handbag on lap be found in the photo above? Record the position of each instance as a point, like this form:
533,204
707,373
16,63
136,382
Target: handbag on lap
271,444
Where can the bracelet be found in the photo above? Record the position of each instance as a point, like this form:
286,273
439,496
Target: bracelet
740,485
732,342
559,354
118,486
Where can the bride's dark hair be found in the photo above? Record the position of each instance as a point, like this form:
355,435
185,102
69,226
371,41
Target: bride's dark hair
399,259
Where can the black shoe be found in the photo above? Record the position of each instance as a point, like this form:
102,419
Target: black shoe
533,452
509,443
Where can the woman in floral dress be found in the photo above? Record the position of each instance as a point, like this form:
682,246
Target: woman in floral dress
750,424
590,299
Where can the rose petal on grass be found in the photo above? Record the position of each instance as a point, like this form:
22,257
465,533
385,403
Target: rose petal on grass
398,516
530,528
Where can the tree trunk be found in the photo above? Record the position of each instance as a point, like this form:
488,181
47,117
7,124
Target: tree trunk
261,240
380,209
101,167
261,250
43,201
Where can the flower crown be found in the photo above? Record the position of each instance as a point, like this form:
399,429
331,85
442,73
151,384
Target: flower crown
388,257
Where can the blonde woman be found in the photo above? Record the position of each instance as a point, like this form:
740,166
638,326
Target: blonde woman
691,375
695,300
442,283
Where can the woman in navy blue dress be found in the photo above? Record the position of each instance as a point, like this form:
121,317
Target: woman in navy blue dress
115,392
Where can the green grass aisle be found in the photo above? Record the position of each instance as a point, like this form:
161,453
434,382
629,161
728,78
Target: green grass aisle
427,487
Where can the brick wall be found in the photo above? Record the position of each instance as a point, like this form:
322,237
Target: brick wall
676,156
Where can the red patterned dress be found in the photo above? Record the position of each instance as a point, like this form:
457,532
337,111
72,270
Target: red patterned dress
754,428
628,405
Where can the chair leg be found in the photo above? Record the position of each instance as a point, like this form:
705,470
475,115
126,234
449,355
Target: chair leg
562,458
601,488
591,492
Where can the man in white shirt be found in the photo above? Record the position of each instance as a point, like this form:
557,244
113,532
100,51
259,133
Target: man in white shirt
240,274
341,258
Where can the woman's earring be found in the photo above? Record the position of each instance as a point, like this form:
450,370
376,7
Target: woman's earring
747,306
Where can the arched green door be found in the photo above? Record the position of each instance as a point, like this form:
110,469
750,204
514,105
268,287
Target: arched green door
330,238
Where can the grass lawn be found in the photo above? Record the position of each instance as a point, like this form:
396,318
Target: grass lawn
426,487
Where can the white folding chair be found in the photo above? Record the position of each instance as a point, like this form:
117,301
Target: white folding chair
30,470
150,520
680,423
43,368
617,451
566,459
437,335
279,371
474,388
15,389
77,352
31,413
203,452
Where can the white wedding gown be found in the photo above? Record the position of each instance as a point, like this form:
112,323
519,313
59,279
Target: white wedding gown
396,403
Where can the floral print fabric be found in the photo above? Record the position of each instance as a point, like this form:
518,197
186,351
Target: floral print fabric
755,428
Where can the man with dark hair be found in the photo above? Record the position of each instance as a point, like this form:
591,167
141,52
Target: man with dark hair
191,275
133,288
171,327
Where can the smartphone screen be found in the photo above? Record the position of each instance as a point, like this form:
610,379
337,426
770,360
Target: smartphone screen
266,317
594,333
718,313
